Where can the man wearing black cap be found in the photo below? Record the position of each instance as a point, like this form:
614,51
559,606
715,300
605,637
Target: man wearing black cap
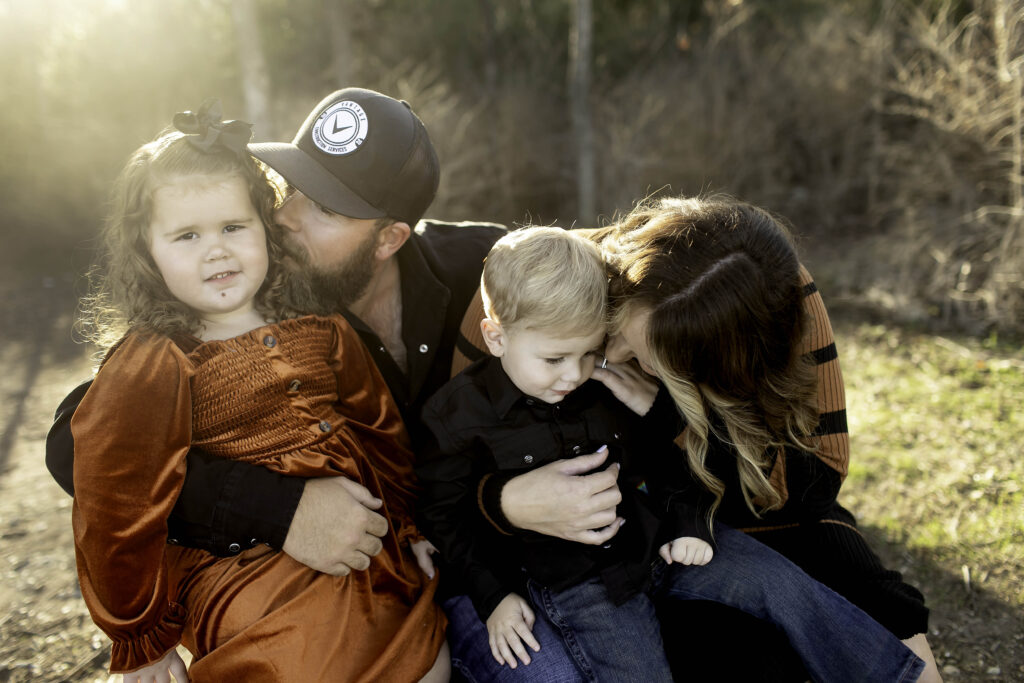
362,172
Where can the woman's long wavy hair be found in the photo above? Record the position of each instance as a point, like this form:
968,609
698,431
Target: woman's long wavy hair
721,282
127,291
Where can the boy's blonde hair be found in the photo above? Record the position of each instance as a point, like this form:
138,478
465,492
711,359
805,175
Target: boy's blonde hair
545,278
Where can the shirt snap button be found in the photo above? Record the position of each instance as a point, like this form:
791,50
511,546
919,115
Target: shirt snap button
269,341
325,426
618,436
527,459
294,385
577,449
424,348
234,548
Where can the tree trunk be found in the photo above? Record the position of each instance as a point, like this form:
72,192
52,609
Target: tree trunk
340,18
580,39
255,76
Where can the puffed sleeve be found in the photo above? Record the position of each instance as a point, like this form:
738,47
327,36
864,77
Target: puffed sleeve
131,433
375,425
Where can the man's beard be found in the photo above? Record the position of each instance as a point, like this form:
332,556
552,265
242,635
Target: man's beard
323,291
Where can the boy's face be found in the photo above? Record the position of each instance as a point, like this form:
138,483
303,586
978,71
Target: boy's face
543,365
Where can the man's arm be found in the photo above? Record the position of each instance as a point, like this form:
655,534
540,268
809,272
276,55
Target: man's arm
226,506
60,448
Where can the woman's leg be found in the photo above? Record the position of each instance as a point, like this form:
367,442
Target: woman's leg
835,640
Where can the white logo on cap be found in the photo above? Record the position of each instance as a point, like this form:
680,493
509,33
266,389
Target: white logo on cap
341,128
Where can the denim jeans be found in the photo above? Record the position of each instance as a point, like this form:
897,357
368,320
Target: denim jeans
836,640
471,654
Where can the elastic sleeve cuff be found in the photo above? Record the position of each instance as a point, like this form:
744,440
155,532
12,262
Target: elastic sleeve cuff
489,501
129,655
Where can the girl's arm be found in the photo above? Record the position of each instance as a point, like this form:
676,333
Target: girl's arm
132,431
221,501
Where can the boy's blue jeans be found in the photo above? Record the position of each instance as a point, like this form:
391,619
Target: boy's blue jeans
835,639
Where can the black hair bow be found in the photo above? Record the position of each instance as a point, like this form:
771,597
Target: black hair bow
205,130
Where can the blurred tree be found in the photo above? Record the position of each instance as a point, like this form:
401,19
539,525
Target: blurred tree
253,66
580,52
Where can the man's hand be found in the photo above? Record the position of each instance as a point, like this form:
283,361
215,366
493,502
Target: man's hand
335,528
561,499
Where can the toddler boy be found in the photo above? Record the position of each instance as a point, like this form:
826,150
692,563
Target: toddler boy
530,403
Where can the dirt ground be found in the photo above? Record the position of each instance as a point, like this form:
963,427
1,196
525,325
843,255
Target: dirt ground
45,630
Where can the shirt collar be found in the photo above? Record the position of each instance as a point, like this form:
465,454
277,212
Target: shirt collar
500,389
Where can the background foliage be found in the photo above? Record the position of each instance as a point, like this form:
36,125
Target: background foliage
888,130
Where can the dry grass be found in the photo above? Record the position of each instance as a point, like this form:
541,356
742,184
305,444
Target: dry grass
937,479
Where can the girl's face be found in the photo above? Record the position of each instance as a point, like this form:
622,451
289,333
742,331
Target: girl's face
210,246
631,341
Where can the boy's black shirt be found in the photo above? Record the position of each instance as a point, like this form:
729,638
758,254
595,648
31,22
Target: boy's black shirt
483,426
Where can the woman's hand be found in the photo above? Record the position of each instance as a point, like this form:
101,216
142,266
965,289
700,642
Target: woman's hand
159,671
508,627
686,550
569,499
423,551
631,386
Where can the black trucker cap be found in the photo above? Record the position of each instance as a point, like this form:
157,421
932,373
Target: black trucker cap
361,154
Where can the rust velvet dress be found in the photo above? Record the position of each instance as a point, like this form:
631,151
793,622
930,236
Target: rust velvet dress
301,397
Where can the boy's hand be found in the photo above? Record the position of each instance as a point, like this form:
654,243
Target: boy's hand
159,671
508,627
686,550
634,388
423,551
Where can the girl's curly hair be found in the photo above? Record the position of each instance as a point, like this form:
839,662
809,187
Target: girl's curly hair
127,291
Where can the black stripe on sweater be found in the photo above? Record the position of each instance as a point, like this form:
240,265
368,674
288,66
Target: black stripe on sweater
825,354
832,423
467,348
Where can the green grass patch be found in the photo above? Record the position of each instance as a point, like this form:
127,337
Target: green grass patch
936,456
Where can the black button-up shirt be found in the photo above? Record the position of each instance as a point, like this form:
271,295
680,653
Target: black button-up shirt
482,424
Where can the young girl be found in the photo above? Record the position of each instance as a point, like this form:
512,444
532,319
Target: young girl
212,360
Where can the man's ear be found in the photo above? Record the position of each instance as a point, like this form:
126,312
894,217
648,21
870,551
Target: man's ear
391,238
494,336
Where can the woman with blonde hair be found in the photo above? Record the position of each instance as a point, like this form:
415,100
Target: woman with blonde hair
709,296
